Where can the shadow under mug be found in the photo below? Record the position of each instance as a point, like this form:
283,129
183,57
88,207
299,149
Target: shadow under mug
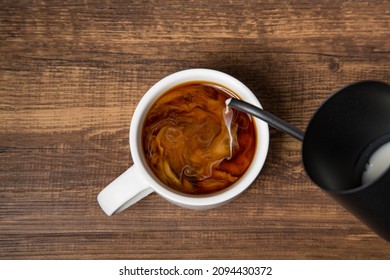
139,180
340,139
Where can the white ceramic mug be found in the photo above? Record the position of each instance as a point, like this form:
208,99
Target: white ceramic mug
139,181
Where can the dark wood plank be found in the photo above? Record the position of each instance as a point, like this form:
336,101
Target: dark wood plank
72,73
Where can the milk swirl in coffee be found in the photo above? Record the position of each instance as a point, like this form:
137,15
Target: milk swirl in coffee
193,144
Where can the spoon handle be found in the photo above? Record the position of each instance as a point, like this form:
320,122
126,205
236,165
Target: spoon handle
266,116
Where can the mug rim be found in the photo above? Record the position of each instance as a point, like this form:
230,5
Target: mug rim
135,134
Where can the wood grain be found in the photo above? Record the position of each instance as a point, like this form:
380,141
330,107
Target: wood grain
72,73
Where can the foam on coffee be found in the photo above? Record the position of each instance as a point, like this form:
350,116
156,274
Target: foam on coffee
193,144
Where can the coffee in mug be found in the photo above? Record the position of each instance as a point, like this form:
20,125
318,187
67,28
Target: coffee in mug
194,143
187,146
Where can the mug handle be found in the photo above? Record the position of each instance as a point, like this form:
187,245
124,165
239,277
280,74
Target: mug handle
123,192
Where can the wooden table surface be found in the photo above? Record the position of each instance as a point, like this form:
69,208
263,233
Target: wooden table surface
72,73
